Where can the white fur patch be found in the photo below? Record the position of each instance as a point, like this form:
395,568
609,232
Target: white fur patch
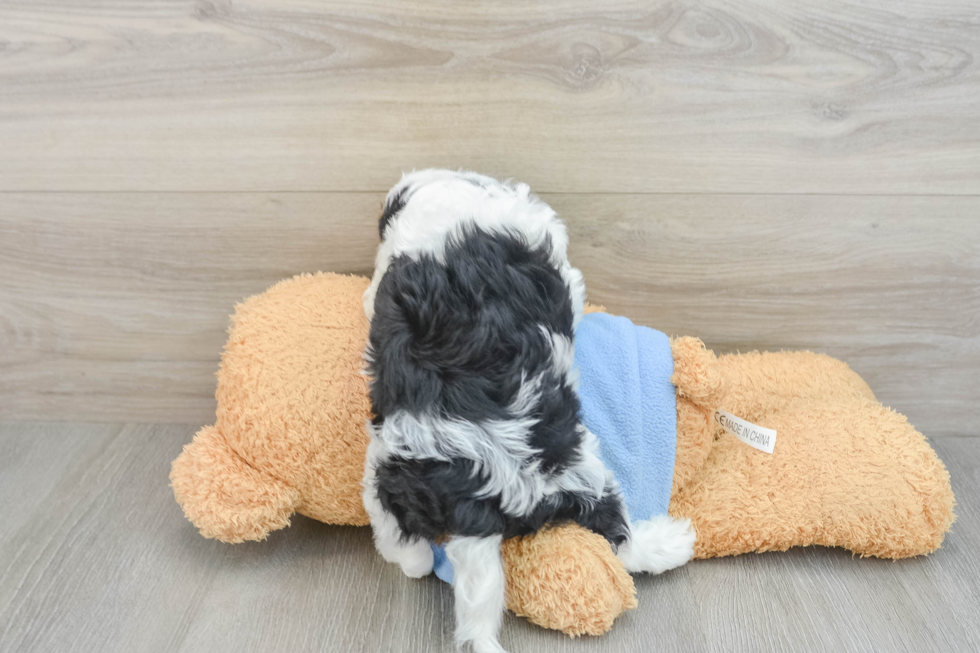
576,286
658,544
480,591
562,357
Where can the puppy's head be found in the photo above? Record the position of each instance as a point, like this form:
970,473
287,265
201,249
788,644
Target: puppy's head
412,182
428,210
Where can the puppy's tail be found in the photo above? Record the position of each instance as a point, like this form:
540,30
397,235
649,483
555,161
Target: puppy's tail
480,590
657,545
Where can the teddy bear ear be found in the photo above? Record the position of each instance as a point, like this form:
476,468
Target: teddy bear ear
697,376
226,498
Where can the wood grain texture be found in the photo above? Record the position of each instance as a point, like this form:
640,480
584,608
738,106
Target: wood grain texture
95,555
114,306
117,304
715,96
889,285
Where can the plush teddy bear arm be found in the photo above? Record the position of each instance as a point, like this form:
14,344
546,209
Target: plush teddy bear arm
567,578
701,387
695,435
226,498
697,375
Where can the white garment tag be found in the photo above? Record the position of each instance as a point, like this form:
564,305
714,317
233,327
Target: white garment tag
751,434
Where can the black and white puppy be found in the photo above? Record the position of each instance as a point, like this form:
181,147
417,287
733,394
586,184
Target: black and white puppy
476,433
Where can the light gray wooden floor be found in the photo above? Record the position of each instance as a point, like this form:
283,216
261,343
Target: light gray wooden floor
96,556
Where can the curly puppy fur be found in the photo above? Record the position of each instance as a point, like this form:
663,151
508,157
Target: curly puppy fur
476,433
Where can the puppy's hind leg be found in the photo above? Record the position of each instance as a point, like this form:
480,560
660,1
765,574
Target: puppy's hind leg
413,556
479,589
658,544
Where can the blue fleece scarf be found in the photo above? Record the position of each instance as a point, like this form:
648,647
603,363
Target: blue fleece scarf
629,403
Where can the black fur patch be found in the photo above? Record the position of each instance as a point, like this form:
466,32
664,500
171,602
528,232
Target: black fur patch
458,338
431,499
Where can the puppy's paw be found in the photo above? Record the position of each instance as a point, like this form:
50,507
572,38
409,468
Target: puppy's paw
658,544
487,646
416,561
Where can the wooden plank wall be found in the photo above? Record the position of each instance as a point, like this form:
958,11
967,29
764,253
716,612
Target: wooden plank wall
763,174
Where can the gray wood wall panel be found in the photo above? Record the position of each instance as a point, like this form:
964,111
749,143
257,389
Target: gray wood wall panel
716,96
761,174
113,306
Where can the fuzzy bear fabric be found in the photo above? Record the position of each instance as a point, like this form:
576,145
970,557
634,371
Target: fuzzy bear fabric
846,471
292,404
290,437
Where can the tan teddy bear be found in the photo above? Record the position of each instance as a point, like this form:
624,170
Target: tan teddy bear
289,438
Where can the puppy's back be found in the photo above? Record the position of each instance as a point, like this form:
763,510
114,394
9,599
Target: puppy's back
470,355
